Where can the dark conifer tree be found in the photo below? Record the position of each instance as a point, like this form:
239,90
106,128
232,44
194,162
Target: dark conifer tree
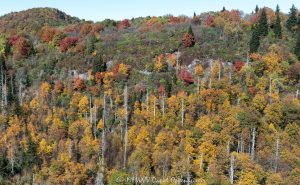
2,62
98,64
256,9
190,31
277,25
297,48
291,23
224,9
263,26
254,42
90,46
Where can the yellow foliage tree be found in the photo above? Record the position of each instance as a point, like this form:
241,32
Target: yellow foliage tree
247,178
83,104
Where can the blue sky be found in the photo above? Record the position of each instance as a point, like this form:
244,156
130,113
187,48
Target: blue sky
97,10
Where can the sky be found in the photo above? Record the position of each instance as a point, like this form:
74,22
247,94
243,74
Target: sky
97,10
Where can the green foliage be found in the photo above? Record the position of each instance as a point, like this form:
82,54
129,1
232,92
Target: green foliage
249,117
297,47
190,31
277,25
90,45
34,19
4,47
263,27
255,40
98,64
291,23
120,178
256,9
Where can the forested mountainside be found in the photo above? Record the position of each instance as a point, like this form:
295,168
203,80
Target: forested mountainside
207,99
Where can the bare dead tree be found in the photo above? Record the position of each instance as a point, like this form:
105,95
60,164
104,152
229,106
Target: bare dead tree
126,125
253,144
276,155
182,111
231,170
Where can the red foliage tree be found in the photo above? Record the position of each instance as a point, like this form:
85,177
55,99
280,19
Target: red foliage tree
67,42
124,24
188,40
48,33
239,65
22,48
97,28
78,84
210,20
99,77
176,20
12,40
115,71
232,16
252,90
161,89
59,86
86,29
186,76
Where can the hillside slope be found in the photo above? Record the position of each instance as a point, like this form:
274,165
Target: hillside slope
34,19
212,98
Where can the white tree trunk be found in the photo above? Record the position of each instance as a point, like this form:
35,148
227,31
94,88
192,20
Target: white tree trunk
276,155
231,170
126,122
147,101
219,75
100,174
163,104
91,111
253,144
270,91
20,93
154,106
182,111
198,85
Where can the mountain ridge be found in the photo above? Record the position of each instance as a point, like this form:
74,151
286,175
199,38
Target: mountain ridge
35,18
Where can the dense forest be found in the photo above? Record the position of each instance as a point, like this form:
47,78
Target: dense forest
208,99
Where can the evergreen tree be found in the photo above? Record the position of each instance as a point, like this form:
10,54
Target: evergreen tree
292,20
29,156
2,63
263,23
256,9
90,46
98,64
297,48
277,25
254,42
190,31
224,9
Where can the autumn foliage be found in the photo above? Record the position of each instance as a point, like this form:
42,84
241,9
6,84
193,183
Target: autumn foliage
67,43
188,40
210,21
239,65
48,33
123,24
22,48
78,84
186,76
